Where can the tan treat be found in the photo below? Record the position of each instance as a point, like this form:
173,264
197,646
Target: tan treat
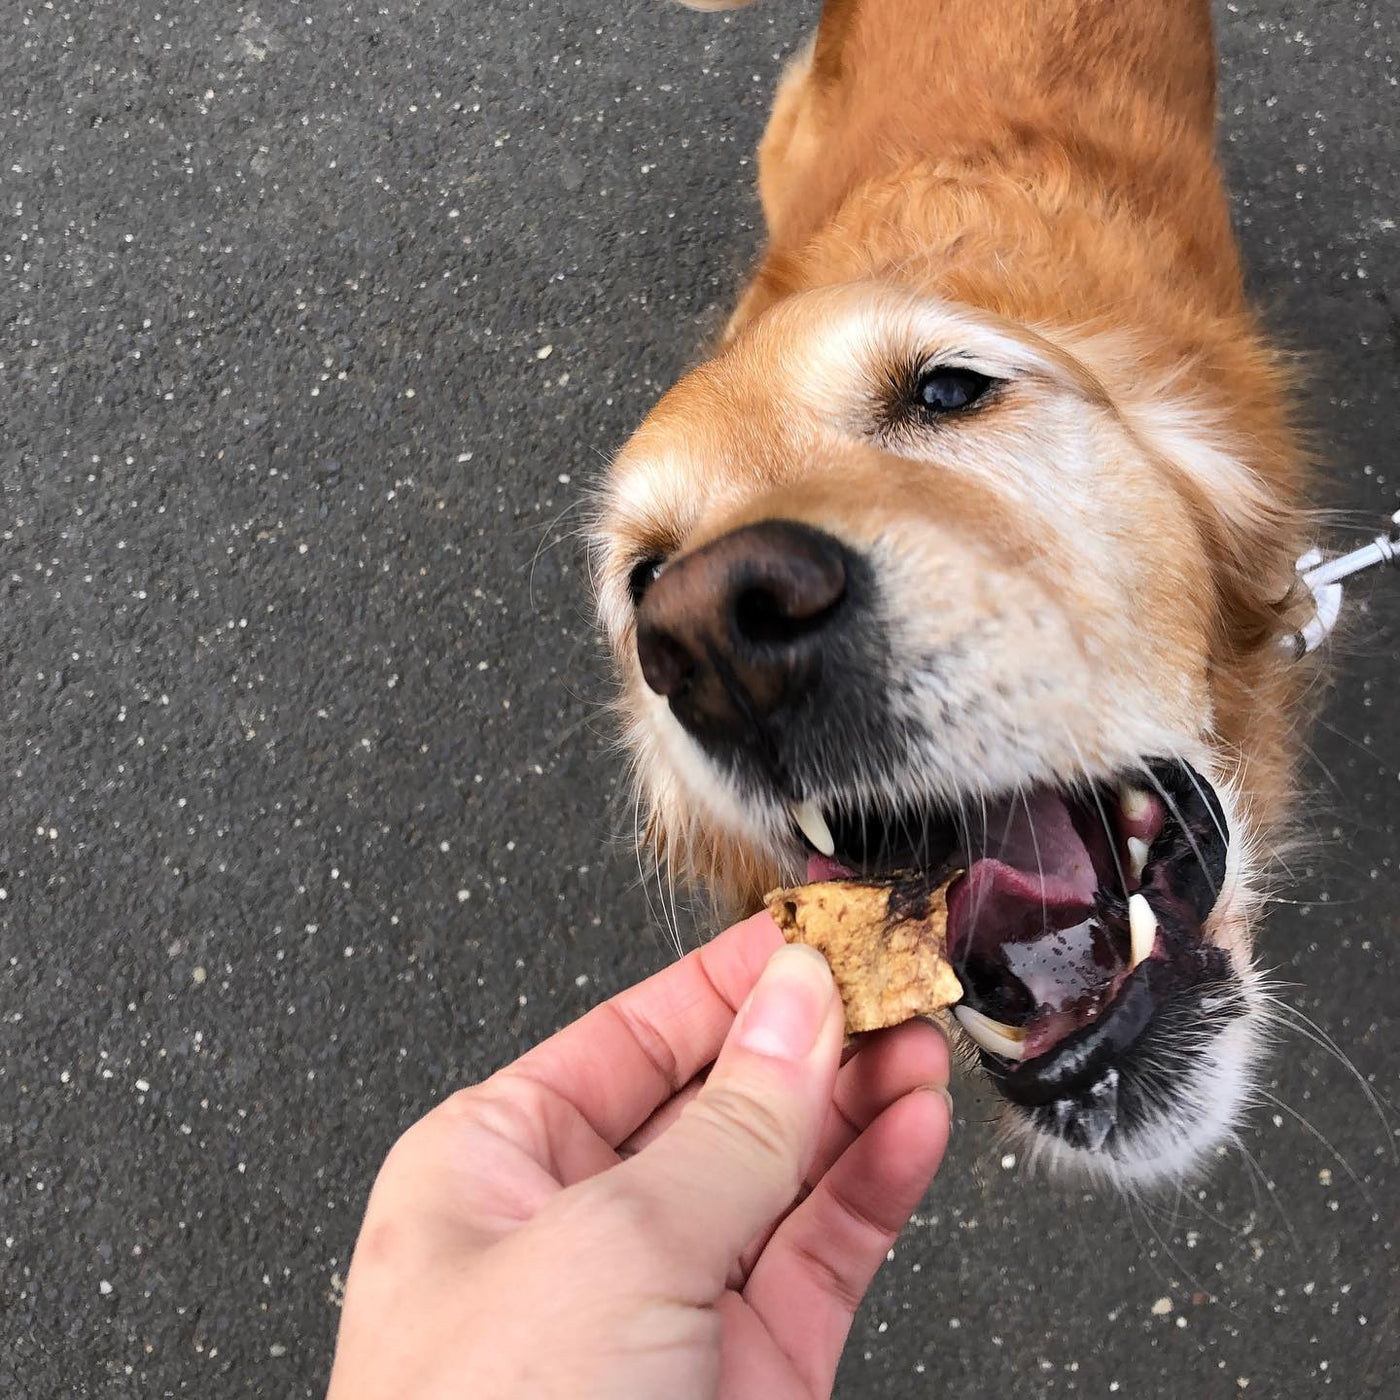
885,947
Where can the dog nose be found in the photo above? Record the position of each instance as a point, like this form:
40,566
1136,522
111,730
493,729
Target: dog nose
735,631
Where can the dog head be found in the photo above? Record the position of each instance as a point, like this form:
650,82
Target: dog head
893,584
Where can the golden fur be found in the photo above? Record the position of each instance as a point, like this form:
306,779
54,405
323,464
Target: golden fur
1025,186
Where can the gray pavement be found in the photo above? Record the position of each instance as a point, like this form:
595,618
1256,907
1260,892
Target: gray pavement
315,320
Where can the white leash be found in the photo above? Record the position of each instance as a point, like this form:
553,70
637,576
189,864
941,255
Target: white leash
1325,579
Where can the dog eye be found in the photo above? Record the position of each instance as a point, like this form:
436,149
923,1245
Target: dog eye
947,388
642,577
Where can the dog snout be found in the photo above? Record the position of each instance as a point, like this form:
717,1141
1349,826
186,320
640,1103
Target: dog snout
736,631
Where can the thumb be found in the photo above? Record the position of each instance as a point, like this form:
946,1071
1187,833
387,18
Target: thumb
734,1160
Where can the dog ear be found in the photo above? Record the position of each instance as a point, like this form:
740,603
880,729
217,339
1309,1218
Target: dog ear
1241,476
1216,426
1224,433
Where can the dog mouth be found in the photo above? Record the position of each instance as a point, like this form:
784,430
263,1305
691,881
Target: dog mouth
1075,918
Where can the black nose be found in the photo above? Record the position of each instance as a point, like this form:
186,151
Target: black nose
735,632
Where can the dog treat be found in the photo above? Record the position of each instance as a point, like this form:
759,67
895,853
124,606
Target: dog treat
885,944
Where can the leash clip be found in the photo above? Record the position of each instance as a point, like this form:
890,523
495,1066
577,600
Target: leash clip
1325,578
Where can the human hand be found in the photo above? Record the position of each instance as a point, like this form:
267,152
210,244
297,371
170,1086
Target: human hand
602,1219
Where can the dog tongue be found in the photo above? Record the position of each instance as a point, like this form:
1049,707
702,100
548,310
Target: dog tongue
1036,875
821,867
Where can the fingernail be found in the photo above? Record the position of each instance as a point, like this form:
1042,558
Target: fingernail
787,1007
938,1091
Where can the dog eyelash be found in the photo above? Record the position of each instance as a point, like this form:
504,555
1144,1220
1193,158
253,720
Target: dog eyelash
945,389
925,393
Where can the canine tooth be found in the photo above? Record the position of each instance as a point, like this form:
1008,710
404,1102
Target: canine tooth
996,1036
809,817
1142,929
1137,856
1136,803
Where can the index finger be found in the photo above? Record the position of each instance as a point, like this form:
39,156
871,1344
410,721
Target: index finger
620,1062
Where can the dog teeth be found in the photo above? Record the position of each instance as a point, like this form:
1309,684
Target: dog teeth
1137,856
1007,1041
809,817
1142,929
1136,804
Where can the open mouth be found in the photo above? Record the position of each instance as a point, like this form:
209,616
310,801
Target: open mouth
1077,919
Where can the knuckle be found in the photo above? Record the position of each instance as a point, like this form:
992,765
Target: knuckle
871,1220
480,1113
463,1103
488,1107
651,1042
613,1217
846,1292
611,1206
753,1126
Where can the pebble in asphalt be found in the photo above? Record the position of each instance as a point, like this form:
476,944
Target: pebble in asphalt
317,320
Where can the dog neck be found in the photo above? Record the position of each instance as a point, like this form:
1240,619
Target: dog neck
1051,161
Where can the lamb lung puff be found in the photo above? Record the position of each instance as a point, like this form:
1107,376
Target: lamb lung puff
887,951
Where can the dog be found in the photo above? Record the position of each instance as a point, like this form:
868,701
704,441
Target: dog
971,546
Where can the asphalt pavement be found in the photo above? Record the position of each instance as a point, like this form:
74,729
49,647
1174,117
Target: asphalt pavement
316,320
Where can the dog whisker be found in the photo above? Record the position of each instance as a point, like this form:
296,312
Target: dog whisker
924,571
1172,807
1320,1137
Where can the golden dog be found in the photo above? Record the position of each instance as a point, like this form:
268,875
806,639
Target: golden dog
972,545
